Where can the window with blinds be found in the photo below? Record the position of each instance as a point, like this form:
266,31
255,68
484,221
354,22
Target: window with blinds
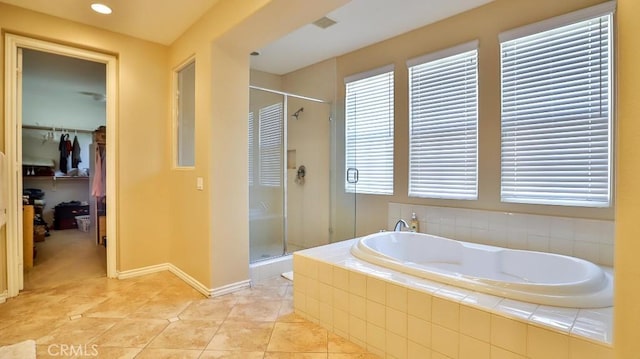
369,125
443,124
251,151
556,118
270,138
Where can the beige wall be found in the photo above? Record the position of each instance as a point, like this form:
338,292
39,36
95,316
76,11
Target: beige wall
317,81
627,291
195,230
265,80
210,238
483,23
143,224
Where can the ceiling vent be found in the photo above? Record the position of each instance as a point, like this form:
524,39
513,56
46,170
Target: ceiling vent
324,22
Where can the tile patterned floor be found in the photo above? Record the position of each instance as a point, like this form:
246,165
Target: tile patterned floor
159,316
66,256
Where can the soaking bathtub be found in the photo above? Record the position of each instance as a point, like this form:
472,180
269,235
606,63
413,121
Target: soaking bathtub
537,277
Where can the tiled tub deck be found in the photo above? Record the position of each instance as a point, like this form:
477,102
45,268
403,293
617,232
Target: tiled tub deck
395,315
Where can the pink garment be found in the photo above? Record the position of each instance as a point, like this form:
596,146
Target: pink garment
98,185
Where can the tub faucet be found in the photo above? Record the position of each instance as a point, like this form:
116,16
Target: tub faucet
401,223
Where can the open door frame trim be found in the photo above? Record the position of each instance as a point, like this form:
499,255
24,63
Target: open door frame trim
12,128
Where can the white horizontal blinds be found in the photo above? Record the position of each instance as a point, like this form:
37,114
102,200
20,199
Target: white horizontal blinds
369,134
271,132
251,151
443,133
556,119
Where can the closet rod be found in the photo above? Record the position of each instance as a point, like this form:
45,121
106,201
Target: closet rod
50,128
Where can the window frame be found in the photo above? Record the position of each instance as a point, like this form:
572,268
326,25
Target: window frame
465,52
591,13
368,189
177,140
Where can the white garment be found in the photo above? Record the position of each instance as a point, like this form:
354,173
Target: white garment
98,185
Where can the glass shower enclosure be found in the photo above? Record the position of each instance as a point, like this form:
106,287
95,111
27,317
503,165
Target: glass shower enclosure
289,173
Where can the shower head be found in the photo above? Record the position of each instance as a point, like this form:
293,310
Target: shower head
297,113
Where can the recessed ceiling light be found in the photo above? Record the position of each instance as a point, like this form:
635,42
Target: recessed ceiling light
101,8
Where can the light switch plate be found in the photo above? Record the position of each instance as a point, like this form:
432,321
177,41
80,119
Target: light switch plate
199,183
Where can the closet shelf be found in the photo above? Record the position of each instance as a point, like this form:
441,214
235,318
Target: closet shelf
56,178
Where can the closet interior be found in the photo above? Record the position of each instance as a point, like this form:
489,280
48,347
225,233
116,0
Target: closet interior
63,168
68,194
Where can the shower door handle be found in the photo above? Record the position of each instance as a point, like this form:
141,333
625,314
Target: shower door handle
352,175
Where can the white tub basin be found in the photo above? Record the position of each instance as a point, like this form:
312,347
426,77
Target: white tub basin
537,277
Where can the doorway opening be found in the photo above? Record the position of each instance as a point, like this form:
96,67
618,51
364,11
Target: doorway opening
59,122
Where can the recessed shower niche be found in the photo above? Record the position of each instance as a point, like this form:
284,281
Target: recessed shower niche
291,159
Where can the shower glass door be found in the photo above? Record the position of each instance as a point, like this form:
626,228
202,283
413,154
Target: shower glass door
308,174
267,184
290,174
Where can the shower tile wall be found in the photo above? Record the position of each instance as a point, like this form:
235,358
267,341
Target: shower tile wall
589,239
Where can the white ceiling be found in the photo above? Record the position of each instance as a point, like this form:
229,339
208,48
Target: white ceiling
360,23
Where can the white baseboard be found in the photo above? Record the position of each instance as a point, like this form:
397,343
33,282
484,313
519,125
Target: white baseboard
3,296
143,271
190,280
230,288
194,283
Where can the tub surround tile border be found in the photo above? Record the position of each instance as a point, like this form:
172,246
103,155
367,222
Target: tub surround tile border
561,319
516,309
456,317
589,239
481,300
594,324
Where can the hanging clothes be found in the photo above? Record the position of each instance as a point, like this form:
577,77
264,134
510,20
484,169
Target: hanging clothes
103,177
99,180
64,153
68,144
75,153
